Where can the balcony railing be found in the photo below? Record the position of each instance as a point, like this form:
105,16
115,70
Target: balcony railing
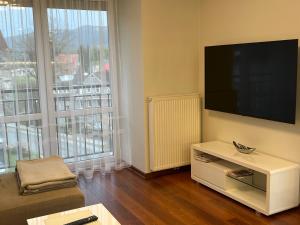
83,135
19,102
21,140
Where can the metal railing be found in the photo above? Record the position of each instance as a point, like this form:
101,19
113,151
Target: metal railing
19,102
83,136
20,140
88,135
82,96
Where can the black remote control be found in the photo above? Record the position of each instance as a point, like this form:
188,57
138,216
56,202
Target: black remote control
83,221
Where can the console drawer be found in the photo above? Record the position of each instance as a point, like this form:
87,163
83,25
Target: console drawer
215,172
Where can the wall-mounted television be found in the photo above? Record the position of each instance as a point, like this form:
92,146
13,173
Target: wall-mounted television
253,79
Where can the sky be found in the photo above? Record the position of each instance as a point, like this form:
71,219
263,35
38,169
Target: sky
21,19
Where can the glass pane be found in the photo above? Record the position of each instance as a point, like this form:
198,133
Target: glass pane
79,54
19,91
12,143
23,140
18,72
20,141
81,76
34,138
80,135
62,137
93,136
3,157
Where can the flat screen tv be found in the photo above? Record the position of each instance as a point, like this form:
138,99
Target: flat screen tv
253,79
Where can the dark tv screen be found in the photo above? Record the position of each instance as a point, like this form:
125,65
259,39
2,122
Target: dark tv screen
253,79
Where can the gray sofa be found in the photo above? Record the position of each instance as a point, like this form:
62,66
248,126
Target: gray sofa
16,209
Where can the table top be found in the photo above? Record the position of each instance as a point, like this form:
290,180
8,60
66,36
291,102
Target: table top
104,216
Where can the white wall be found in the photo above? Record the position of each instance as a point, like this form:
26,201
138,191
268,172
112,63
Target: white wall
129,17
159,40
159,49
170,51
170,46
234,21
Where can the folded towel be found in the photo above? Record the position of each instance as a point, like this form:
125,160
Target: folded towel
41,175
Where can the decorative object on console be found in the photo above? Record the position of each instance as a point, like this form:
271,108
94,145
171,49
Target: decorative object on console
242,148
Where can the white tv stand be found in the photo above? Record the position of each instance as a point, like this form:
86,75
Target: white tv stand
274,186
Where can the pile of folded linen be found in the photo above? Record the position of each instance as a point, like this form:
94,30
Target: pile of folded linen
41,175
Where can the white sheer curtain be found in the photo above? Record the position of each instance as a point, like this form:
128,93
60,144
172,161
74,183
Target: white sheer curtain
20,104
84,57
67,97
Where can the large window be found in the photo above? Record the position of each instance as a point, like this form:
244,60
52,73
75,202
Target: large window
55,86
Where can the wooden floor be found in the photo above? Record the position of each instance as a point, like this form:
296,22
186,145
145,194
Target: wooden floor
172,199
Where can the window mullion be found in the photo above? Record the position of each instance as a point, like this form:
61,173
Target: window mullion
45,81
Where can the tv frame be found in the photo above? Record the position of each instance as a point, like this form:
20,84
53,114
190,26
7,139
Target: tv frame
252,116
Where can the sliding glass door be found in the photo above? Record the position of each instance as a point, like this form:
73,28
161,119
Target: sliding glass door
79,55
55,86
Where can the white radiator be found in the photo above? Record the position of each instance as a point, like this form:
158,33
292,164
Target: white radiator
174,124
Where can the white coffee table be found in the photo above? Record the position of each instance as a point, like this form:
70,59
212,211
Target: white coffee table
104,216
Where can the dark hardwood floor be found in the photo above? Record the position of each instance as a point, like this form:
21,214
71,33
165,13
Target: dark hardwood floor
172,199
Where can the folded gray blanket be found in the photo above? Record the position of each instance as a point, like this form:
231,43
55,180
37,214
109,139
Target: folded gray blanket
41,175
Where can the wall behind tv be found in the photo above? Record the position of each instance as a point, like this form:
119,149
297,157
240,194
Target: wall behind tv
235,21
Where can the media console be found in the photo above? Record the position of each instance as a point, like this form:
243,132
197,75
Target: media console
272,187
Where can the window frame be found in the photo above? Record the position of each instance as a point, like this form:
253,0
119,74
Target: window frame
48,113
